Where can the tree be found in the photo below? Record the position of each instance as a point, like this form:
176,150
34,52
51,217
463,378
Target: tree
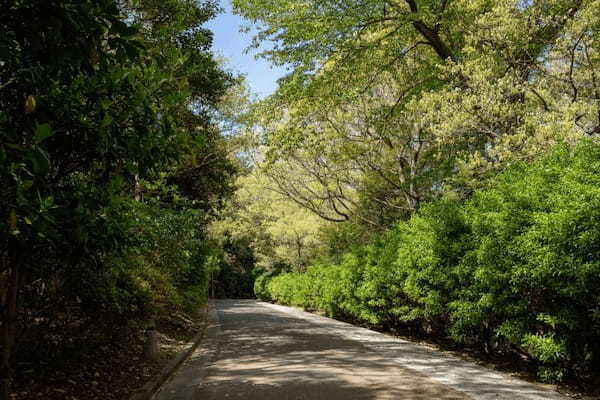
279,230
95,97
63,86
416,98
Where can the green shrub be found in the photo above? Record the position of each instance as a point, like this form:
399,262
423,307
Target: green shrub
536,265
261,287
430,247
164,265
517,267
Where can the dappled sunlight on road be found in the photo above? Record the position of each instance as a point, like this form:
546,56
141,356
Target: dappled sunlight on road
266,355
261,351
479,382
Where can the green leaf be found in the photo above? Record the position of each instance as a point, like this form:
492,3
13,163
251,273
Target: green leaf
26,185
40,161
43,132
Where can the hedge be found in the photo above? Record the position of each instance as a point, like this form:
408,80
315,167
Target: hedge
515,267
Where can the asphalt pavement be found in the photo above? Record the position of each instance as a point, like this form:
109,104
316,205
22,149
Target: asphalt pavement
259,351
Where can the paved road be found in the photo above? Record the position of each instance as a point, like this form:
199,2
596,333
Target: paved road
259,351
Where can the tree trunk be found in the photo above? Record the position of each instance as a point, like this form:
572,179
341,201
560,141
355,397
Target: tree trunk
137,191
152,345
9,321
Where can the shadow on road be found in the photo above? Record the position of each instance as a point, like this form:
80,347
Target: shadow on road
267,355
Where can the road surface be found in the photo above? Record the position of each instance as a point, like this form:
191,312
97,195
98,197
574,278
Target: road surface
259,351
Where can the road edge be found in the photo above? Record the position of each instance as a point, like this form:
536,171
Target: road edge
543,391
148,391
190,375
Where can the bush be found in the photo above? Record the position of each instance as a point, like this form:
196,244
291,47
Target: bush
535,266
163,265
430,246
261,289
516,267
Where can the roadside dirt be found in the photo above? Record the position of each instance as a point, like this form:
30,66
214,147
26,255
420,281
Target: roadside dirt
103,371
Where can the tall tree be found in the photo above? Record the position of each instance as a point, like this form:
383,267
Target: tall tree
279,230
425,96
94,97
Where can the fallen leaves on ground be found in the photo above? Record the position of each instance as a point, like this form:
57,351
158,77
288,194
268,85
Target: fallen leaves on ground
110,371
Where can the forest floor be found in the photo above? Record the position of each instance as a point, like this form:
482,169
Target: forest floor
111,371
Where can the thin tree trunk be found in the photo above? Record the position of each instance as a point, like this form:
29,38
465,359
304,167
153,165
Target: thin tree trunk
137,188
9,322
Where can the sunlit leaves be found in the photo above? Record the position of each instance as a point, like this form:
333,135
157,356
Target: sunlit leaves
371,78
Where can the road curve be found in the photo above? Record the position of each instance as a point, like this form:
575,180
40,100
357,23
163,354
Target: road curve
259,351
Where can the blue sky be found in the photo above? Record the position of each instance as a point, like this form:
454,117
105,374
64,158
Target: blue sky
231,43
